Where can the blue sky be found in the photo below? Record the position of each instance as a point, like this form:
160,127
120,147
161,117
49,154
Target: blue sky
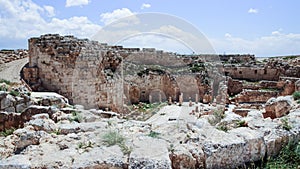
264,28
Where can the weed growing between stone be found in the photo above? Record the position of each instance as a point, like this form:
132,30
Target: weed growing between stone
222,127
154,134
296,95
3,87
218,115
84,145
112,138
5,81
14,93
285,124
7,132
241,123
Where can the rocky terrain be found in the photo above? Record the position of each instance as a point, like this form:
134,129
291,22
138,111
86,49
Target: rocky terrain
258,118
50,133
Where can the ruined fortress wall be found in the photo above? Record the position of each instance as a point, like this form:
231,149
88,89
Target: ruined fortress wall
253,73
77,69
91,74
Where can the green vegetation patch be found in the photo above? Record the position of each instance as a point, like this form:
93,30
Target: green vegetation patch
7,132
5,81
112,138
288,158
296,95
154,134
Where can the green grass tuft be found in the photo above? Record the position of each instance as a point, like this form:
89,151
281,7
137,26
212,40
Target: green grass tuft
154,134
7,132
5,81
296,95
113,138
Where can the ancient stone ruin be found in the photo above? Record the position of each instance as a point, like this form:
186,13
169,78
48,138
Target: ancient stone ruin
100,76
131,108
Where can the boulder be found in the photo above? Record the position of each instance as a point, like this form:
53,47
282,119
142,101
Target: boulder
42,122
254,148
278,107
149,153
227,150
7,102
182,158
49,99
25,137
10,120
33,110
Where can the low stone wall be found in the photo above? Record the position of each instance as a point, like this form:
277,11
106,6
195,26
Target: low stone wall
252,73
11,55
255,96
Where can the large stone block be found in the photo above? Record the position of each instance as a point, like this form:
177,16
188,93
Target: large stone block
149,153
278,107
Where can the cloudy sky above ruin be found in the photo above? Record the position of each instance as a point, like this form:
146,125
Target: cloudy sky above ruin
264,28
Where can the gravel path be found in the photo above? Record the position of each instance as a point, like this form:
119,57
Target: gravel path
11,71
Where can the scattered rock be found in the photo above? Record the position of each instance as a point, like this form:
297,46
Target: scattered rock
278,107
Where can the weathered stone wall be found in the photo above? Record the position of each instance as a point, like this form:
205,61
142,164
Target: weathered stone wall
84,71
253,73
92,74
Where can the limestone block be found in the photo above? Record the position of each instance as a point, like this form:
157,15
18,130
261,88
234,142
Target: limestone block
254,149
16,162
7,102
20,107
278,107
221,149
149,153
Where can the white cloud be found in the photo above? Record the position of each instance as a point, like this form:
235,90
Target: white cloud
110,17
23,19
145,6
276,43
50,10
253,10
70,3
228,35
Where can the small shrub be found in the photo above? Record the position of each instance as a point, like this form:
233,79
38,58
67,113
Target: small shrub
7,132
222,127
241,123
218,116
14,93
125,149
285,124
296,95
5,81
113,138
85,145
153,134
